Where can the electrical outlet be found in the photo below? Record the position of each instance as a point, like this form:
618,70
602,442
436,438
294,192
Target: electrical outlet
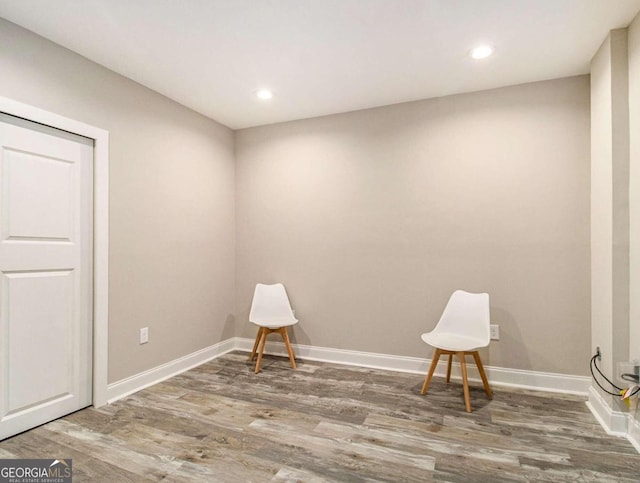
495,331
144,335
598,353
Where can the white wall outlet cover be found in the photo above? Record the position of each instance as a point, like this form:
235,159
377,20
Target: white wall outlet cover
144,335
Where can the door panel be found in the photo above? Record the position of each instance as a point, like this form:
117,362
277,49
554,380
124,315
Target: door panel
29,298
45,274
37,195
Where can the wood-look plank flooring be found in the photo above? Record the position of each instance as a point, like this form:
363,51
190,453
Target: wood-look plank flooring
325,423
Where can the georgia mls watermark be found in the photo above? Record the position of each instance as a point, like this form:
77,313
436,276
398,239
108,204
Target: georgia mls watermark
35,471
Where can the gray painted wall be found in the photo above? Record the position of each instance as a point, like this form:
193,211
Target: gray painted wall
634,187
634,202
372,219
171,200
602,202
634,208
615,207
610,201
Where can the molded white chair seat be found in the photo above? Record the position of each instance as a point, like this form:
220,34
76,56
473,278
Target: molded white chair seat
275,322
452,342
271,311
462,329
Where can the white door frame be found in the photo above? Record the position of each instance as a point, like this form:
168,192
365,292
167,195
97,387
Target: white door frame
100,231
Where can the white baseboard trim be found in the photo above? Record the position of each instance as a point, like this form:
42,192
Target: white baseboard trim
613,422
633,434
498,376
124,387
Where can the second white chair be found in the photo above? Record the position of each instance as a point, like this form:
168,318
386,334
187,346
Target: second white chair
462,329
271,312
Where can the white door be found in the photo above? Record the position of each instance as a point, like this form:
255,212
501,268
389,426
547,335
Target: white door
45,274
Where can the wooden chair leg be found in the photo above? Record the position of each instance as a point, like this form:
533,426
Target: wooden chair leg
263,339
487,389
287,342
465,382
449,367
255,344
432,368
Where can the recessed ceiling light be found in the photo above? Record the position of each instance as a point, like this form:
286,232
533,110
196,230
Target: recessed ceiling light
481,52
264,94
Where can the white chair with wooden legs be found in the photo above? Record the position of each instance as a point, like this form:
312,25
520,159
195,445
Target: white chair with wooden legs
271,311
462,329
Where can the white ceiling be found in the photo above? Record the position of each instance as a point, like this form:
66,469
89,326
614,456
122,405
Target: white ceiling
323,56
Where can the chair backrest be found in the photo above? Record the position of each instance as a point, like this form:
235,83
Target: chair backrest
270,302
467,314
